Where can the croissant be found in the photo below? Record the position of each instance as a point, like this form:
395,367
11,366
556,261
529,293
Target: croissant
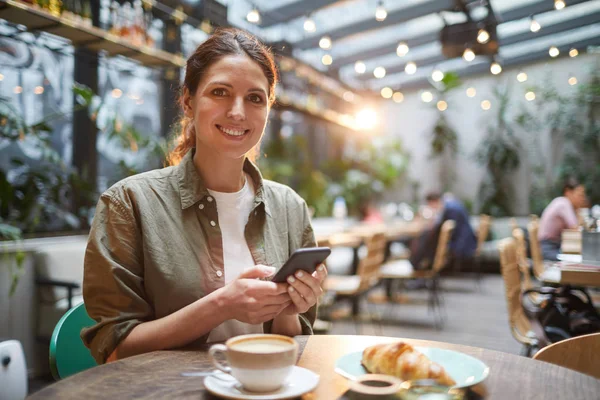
403,361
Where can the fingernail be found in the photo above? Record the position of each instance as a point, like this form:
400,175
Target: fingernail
291,279
321,268
299,274
291,289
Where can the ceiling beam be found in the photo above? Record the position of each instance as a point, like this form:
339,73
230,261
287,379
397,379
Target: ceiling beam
438,58
482,68
509,15
393,18
382,50
291,11
559,27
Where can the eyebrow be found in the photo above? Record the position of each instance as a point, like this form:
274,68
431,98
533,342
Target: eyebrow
231,86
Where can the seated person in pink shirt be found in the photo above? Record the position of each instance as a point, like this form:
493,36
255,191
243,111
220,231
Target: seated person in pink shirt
560,214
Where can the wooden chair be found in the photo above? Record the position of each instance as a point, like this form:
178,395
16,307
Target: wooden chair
539,266
400,270
485,222
519,324
353,287
579,353
522,260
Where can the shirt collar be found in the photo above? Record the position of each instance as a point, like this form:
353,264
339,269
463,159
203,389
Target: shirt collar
192,188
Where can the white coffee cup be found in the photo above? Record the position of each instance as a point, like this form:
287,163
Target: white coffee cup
260,362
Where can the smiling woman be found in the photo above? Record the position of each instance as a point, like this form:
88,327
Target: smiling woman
174,254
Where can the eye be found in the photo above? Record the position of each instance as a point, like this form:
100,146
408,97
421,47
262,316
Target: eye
219,92
255,98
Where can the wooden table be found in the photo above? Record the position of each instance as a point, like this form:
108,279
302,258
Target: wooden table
574,274
157,375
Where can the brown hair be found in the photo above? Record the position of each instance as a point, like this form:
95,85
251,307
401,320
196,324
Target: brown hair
223,42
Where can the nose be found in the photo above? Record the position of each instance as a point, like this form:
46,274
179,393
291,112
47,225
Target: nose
237,111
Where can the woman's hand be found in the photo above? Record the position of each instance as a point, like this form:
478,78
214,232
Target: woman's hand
252,300
304,290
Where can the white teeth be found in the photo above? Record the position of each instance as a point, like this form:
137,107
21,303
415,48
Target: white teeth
232,132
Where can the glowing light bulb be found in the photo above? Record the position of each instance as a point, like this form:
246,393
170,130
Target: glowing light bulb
253,16
410,68
521,76
483,36
534,26
468,55
379,72
573,52
495,68
117,93
559,4
360,67
442,105
387,93
530,96
309,25
380,12
402,49
325,42
437,75
486,105
471,92
326,59
398,97
553,51
427,96
572,81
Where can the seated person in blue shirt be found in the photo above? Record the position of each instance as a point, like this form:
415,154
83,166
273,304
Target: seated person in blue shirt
463,242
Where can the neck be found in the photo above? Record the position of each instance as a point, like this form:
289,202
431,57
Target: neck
220,174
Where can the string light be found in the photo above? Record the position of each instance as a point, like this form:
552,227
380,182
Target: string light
38,90
427,96
437,75
559,4
468,55
1,77
325,43
410,68
379,72
486,105
18,90
471,92
573,52
521,77
553,51
483,36
380,12
398,97
572,80
326,59
495,68
442,105
534,26
360,67
309,25
387,93
253,16
117,93
402,49
530,96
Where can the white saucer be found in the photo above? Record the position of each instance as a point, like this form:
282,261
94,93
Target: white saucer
299,382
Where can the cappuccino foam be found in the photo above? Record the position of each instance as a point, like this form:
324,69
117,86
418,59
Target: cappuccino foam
261,346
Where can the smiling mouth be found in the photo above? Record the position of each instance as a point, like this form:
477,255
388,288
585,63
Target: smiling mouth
233,132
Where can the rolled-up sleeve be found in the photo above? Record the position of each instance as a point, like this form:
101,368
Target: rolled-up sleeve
113,282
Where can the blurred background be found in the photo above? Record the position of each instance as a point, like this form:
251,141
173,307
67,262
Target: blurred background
380,102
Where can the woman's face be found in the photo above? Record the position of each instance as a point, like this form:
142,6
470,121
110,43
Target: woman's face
230,107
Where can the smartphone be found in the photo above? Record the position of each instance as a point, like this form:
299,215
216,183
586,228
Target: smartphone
307,259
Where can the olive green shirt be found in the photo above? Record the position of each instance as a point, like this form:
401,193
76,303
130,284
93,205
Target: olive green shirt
155,246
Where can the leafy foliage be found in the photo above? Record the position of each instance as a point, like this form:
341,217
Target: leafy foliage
499,154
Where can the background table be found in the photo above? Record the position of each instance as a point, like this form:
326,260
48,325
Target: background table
157,375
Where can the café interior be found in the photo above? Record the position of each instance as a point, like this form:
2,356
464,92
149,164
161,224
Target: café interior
442,155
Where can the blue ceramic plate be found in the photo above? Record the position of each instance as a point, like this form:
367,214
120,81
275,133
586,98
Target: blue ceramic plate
464,369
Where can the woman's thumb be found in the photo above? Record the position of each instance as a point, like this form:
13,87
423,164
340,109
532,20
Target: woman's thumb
257,271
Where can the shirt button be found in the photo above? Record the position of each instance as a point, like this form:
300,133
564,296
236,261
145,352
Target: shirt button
213,223
219,274
201,206
209,199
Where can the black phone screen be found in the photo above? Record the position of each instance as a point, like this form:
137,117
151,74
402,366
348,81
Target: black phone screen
305,259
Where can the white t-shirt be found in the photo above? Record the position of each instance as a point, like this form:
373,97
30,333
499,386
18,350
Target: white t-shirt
233,210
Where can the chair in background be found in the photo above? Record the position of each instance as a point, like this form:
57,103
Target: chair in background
483,230
401,270
520,326
59,275
522,260
354,287
540,268
579,353
68,354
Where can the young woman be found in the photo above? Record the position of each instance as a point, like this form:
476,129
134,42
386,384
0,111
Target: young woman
175,255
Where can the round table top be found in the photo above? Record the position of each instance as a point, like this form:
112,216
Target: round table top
157,375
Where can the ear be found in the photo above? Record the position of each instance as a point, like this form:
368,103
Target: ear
188,103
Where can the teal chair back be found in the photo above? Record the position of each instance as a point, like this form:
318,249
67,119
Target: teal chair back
68,354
